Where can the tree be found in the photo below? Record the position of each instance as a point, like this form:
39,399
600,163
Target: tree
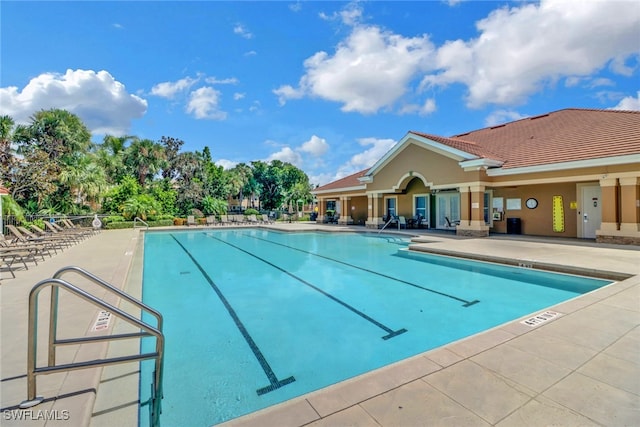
60,134
86,180
110,156
146,158
6,139
171,148
213,206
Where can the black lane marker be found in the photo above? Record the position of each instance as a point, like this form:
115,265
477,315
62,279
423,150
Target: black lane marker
464,301
390,332
275,383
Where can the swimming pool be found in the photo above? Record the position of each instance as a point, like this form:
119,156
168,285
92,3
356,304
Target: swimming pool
256,317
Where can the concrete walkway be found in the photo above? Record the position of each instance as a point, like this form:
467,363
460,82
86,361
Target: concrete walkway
581,368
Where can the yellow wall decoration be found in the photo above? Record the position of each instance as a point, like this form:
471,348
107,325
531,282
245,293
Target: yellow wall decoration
558,214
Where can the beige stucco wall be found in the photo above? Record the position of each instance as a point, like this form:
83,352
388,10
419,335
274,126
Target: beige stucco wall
435,168
539,221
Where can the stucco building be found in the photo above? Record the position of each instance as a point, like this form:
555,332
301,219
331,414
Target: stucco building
569,173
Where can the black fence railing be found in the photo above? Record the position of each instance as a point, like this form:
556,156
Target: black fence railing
80,220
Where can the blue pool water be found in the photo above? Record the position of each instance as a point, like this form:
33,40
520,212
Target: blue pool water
255,317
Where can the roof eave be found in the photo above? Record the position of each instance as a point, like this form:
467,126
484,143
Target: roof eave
338,190
550,167
476,164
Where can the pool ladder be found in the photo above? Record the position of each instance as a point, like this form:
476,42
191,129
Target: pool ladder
145,330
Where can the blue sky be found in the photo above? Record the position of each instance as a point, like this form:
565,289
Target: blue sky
328,86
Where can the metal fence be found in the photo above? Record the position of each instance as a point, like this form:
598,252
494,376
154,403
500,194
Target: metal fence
80,220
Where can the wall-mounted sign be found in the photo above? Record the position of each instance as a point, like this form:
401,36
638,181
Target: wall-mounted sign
514,204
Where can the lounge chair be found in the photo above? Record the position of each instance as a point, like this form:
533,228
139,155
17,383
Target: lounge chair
87,231
211,220
252,219
55,229
57,242
224,220
451,224
266,219
191,220
402,222
40,246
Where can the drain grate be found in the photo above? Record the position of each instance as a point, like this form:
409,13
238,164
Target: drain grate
540,318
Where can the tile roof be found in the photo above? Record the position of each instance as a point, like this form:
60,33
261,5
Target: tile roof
567,135
346,182
561,136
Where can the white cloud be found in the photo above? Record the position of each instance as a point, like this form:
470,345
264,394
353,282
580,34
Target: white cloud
203,104
238,96
369,71
227,81
499,117
522,49
367,158
286,92
226,164
170,89
101,102
316,146
425,109
629,103
242,31
286,154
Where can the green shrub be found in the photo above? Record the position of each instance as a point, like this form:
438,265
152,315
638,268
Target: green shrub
129,224
251,211
112,218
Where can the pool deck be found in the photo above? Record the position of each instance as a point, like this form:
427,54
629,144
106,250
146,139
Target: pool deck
580,368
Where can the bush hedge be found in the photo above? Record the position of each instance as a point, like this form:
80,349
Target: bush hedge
129,224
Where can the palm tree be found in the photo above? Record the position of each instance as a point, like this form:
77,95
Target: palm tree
86,181
146,158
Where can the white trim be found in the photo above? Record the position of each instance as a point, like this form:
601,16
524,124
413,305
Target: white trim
549,167
412,174
480,164
412,138
339,190
385,207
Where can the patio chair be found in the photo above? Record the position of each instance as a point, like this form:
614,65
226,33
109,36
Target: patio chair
55,229
40,246
451,224
88,231
57,242
224,220
402,222
266,219
191,220
211,220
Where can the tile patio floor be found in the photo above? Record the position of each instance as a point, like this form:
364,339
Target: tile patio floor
582,368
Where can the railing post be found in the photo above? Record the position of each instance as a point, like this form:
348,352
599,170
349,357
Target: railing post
53,325
32,349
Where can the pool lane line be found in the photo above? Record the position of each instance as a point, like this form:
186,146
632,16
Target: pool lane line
390,332
465,302
275,383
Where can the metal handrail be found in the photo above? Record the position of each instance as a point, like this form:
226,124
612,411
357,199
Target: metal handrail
141,220
391,219
146,330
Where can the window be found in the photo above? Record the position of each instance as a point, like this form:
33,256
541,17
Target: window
391,206
420,203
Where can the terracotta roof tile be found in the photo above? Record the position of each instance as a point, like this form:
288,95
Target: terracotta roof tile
561,136
566,135
346,182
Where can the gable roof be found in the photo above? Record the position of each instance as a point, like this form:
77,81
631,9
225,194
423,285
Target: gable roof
562,136
557,138
348,182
